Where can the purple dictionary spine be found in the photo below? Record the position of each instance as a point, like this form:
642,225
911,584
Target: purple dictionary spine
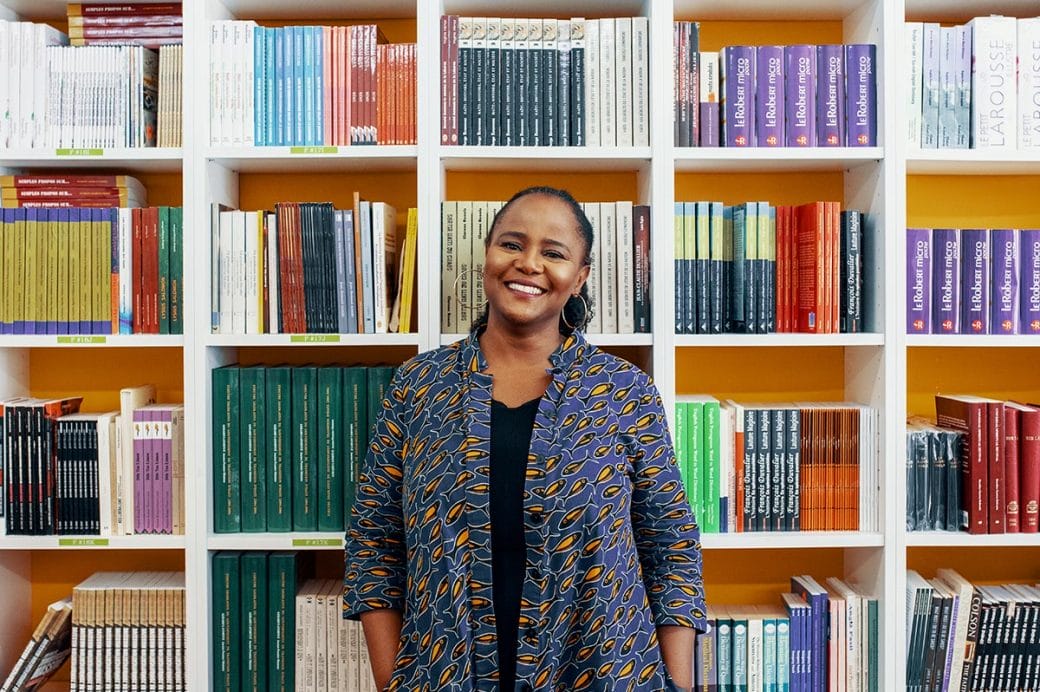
769,97
946,280
830,95
918,280
1004,308
1029,247
974,281
800,99
860,95
738,94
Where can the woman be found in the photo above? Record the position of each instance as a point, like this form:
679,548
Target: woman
520,523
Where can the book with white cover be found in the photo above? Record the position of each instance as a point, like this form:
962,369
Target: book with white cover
626,269
384,262
913,46
608,82
449,267
623,86
1029,82
593,84
609,275
594,282
852,604
252,277
641,81
993,93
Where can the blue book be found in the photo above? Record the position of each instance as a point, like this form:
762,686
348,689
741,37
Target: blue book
783,654
299,62
259,86
307,110
287,110
271,86
319,86
769,657
816,596
798,663
366,266
740,651
975,277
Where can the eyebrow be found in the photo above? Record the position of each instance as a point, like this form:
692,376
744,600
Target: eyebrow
523,236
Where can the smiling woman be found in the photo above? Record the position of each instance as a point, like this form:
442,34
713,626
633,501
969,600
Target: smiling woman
520,522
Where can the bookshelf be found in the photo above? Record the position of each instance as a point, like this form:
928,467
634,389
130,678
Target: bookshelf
882,367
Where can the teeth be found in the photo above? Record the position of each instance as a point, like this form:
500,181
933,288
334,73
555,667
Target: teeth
532,290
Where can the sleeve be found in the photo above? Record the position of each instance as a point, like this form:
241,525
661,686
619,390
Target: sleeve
376,564
666,532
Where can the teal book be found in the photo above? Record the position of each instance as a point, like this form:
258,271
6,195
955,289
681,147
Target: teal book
330,449
378,383
253,566
227,517
304,452
285,574
355,432
176,270
740,650
164,270
783,654
278,440
769,652
873,683
253,446
227,621
723,646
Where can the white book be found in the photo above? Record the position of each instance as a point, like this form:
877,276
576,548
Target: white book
216,29
993,91
107,469
5,68
237,260
246,91
755,652
930,66
1029,82
130,399
594,282
253,279
122,104
238,77
623,92
727,466
609,274
333,616
17,56
481,224
273,275
321,637
45,36
641,81
449,268
913,45
354,656
592,84
607,83
384,262
853,631
343,646
948,59
126,287
365,678
463,290
626,269
26,79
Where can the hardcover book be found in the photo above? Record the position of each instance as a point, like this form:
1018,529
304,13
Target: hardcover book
737,68
861,95
769,97
1004,311
830,95
800,75
1029,284
1029,82
918,280
975,268
946,266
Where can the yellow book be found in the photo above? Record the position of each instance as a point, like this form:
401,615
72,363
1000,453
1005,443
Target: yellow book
61,280
100,279
75,257
261,271
4,268
51,284
86,248
32,269
48,259
411,239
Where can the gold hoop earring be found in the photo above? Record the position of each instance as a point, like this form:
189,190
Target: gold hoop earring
585,313
455,290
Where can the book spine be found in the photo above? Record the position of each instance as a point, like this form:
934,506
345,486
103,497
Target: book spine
506,130
914,56
608,82
623,91
738,95
641,82
253,448
974,281
918,281
800,76
994,94
227,622
946,265
1029,284
708,101
830,95
769,99
1004,312
492,92
226,457
1012,466
1029,82
861,95
535,79
550,56
304,451
578,85
948,57
997,472
930,85
962,84
641,218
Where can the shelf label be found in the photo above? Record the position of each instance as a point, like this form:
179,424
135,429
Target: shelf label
79,542
82,340
317,542
314,339
307,151
80,152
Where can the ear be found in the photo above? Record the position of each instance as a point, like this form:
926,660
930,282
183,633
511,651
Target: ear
583,276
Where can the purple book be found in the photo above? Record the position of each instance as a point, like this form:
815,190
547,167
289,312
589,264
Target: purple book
918,280
769,97
737,64
946,280
800,97
830,95
1029,262
709,124
860,95
974,281
1004,308
140,468
164,495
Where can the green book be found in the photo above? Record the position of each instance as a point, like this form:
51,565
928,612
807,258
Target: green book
682,452
176,270
695,457
164,270
253,447
227,516
279,448
378,382
872,644
355,432
254,621
330,449
304,456
711,461
227,621
283,579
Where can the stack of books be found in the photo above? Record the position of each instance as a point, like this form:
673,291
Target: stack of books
133,24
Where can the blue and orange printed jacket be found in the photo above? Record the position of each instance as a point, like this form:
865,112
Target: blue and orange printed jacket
613,549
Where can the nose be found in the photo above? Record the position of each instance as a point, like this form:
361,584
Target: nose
529,261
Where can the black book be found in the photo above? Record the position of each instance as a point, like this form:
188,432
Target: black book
951,451
465,85
750,461
480,86
763,477
508,81
778,469
328,220
680,284
550,81
702,261
493,84
937,478
717,292
563,88
793,459
937,650
850,313
311,268
919,633
521,104
534,83
577,83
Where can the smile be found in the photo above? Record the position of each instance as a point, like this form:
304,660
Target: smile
523,288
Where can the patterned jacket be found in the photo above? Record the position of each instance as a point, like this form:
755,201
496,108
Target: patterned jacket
613,550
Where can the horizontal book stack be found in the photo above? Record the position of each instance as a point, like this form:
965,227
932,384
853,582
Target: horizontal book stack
311,268
309,86
773,96
972,281
128,632
999,462
933,476
288,443
134,24
823,637
974,85
964,636
58,191
46,651
619,277
753,268
778,467
545,82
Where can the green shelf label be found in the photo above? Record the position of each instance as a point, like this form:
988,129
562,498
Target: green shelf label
307,151
82,339
317,542
314,339
80,152
72,542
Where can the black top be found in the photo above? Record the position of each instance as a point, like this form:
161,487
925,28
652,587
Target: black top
510,442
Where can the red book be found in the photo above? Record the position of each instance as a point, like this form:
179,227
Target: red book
114,20
1012,417
150,251
995,455
127,31
970,415
1029,465
296,269
284,292
69,203
137,269
834,253
356,86
89,9
811,282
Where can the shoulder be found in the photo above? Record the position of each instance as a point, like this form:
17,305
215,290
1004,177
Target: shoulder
428,364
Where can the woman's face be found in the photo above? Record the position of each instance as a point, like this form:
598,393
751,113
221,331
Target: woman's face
535,262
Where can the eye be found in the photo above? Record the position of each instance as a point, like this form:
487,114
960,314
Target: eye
510,245
554,254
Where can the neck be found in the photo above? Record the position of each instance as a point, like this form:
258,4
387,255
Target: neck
509,346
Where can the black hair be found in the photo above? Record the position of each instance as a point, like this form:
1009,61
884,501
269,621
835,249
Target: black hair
577,311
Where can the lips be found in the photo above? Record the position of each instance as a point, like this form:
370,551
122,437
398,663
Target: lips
525,288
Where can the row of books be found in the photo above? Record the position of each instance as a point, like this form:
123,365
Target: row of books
144,24
288,443
275,628
92,271
309,86
778,467
823,637
107,473
46,651
545,82
757,269
773,96
933,477
974,85
972,281
619,276
964,636
311,268
128,632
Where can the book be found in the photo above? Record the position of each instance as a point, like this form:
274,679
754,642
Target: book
1029,282
800,76
975,281
861,95
47,649
919,281
830,95
993,83
769,96
737,88
945,292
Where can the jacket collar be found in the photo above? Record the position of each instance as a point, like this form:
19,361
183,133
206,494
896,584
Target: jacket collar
573,349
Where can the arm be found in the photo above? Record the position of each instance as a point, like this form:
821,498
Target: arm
382,636
677,650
